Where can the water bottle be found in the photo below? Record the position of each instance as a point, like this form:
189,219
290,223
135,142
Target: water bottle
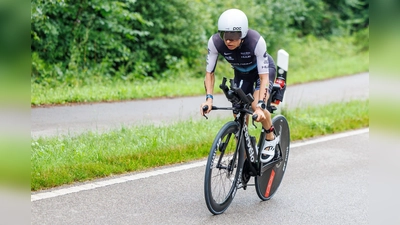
279,81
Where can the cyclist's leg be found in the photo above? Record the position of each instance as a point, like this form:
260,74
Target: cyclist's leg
267,123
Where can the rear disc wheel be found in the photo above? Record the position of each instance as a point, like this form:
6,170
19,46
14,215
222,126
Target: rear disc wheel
268,183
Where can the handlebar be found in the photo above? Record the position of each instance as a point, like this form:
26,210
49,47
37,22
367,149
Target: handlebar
254,117
205,108
235,94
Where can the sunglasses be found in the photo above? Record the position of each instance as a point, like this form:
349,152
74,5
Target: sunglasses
230,35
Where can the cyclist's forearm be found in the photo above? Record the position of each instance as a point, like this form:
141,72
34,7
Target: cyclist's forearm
264,81
209,83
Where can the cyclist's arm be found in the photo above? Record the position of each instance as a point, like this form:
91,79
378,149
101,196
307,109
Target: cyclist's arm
264,81
209,79
209,83
212,57
263,68
209,86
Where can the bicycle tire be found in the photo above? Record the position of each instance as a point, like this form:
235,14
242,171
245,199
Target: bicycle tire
222,174
268,183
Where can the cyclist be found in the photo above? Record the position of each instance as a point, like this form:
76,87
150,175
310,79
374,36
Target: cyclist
254,68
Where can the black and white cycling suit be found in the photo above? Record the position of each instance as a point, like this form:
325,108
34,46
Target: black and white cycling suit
249,60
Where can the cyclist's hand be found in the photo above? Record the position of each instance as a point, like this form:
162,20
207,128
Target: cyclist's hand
208,104
260,114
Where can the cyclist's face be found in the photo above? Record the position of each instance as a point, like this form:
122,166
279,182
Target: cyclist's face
232,44
231,39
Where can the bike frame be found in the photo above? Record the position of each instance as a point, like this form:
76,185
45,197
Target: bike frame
251,150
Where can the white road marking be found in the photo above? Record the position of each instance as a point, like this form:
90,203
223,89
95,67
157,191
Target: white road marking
330,137
98,184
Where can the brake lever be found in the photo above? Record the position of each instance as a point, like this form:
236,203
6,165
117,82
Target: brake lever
205,108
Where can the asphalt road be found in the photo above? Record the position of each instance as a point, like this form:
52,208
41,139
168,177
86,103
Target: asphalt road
101,117
326,182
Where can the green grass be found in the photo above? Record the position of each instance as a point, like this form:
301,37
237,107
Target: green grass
310,59
317,59
63,160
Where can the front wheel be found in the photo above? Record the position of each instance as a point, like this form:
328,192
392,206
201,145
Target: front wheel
222,170
268,183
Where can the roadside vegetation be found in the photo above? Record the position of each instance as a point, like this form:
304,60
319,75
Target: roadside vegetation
63,160
121,50
310,59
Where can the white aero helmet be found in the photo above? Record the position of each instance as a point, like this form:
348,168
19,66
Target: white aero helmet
233,20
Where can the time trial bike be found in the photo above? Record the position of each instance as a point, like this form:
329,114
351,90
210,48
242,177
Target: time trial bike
235,156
